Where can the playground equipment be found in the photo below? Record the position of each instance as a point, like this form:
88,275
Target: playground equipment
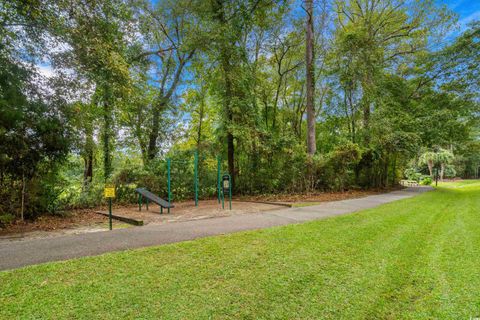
168,202
195,178
226,188
144,193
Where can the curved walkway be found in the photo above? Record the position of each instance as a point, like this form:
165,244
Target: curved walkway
34,251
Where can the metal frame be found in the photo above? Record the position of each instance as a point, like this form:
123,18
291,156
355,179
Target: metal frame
195,179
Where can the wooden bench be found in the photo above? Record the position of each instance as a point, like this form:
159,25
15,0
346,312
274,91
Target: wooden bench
144,193
409,183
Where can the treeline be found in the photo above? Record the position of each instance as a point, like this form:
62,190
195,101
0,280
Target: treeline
293,96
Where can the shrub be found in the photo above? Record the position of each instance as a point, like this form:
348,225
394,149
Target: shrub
6,219
412,174
340,164
450,171
426,181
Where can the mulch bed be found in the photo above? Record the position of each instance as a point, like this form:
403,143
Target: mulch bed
316,196
73,219
87,217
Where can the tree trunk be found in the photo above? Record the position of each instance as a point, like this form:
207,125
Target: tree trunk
226,64
88,169
152,149
442,171
385,172
310,79
107,132
366,122
275,103
88,159
430,167
227,106
394,170
23,198
200,123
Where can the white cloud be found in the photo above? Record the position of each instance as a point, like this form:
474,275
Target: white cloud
462,25
45,70
465,21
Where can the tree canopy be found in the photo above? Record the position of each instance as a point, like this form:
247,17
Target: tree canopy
291,96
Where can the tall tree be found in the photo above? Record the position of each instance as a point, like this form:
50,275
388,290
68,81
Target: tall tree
97,34
310,78
227,25
168,46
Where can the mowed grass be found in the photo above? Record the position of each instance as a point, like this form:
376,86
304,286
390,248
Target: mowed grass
417,258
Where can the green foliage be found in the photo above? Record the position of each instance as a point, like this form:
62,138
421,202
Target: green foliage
426,180
450,171
138,82
412,174
6,219
34,137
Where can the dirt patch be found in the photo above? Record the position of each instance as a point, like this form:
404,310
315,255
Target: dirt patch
184,211
86,220
315,196
77,221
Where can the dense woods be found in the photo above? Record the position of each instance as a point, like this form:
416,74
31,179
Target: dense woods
290,96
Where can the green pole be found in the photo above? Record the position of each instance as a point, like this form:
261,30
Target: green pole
139,202
110,213
219,167
168,184
196,177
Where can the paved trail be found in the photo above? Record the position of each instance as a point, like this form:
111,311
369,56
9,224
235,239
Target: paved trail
22,253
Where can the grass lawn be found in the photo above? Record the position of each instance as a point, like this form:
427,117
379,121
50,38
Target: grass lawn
416,259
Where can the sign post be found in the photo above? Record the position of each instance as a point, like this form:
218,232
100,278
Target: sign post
226,188
109,192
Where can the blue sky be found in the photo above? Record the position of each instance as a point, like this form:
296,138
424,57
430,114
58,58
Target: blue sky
467,10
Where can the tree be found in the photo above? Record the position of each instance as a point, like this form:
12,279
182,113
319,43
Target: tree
169,45
428,158
227,25
310,77
440,158
34,134
443,158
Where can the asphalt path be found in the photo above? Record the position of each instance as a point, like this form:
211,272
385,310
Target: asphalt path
16,254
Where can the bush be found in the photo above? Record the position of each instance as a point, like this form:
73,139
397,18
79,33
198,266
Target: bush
426,181
336,169
6,219
450,171
412,174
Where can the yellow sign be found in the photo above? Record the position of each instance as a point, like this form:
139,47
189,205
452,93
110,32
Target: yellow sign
109,191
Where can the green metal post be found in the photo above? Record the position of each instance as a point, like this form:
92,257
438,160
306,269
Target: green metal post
219,167
168,183
195,176
147,204
139,202
110,213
